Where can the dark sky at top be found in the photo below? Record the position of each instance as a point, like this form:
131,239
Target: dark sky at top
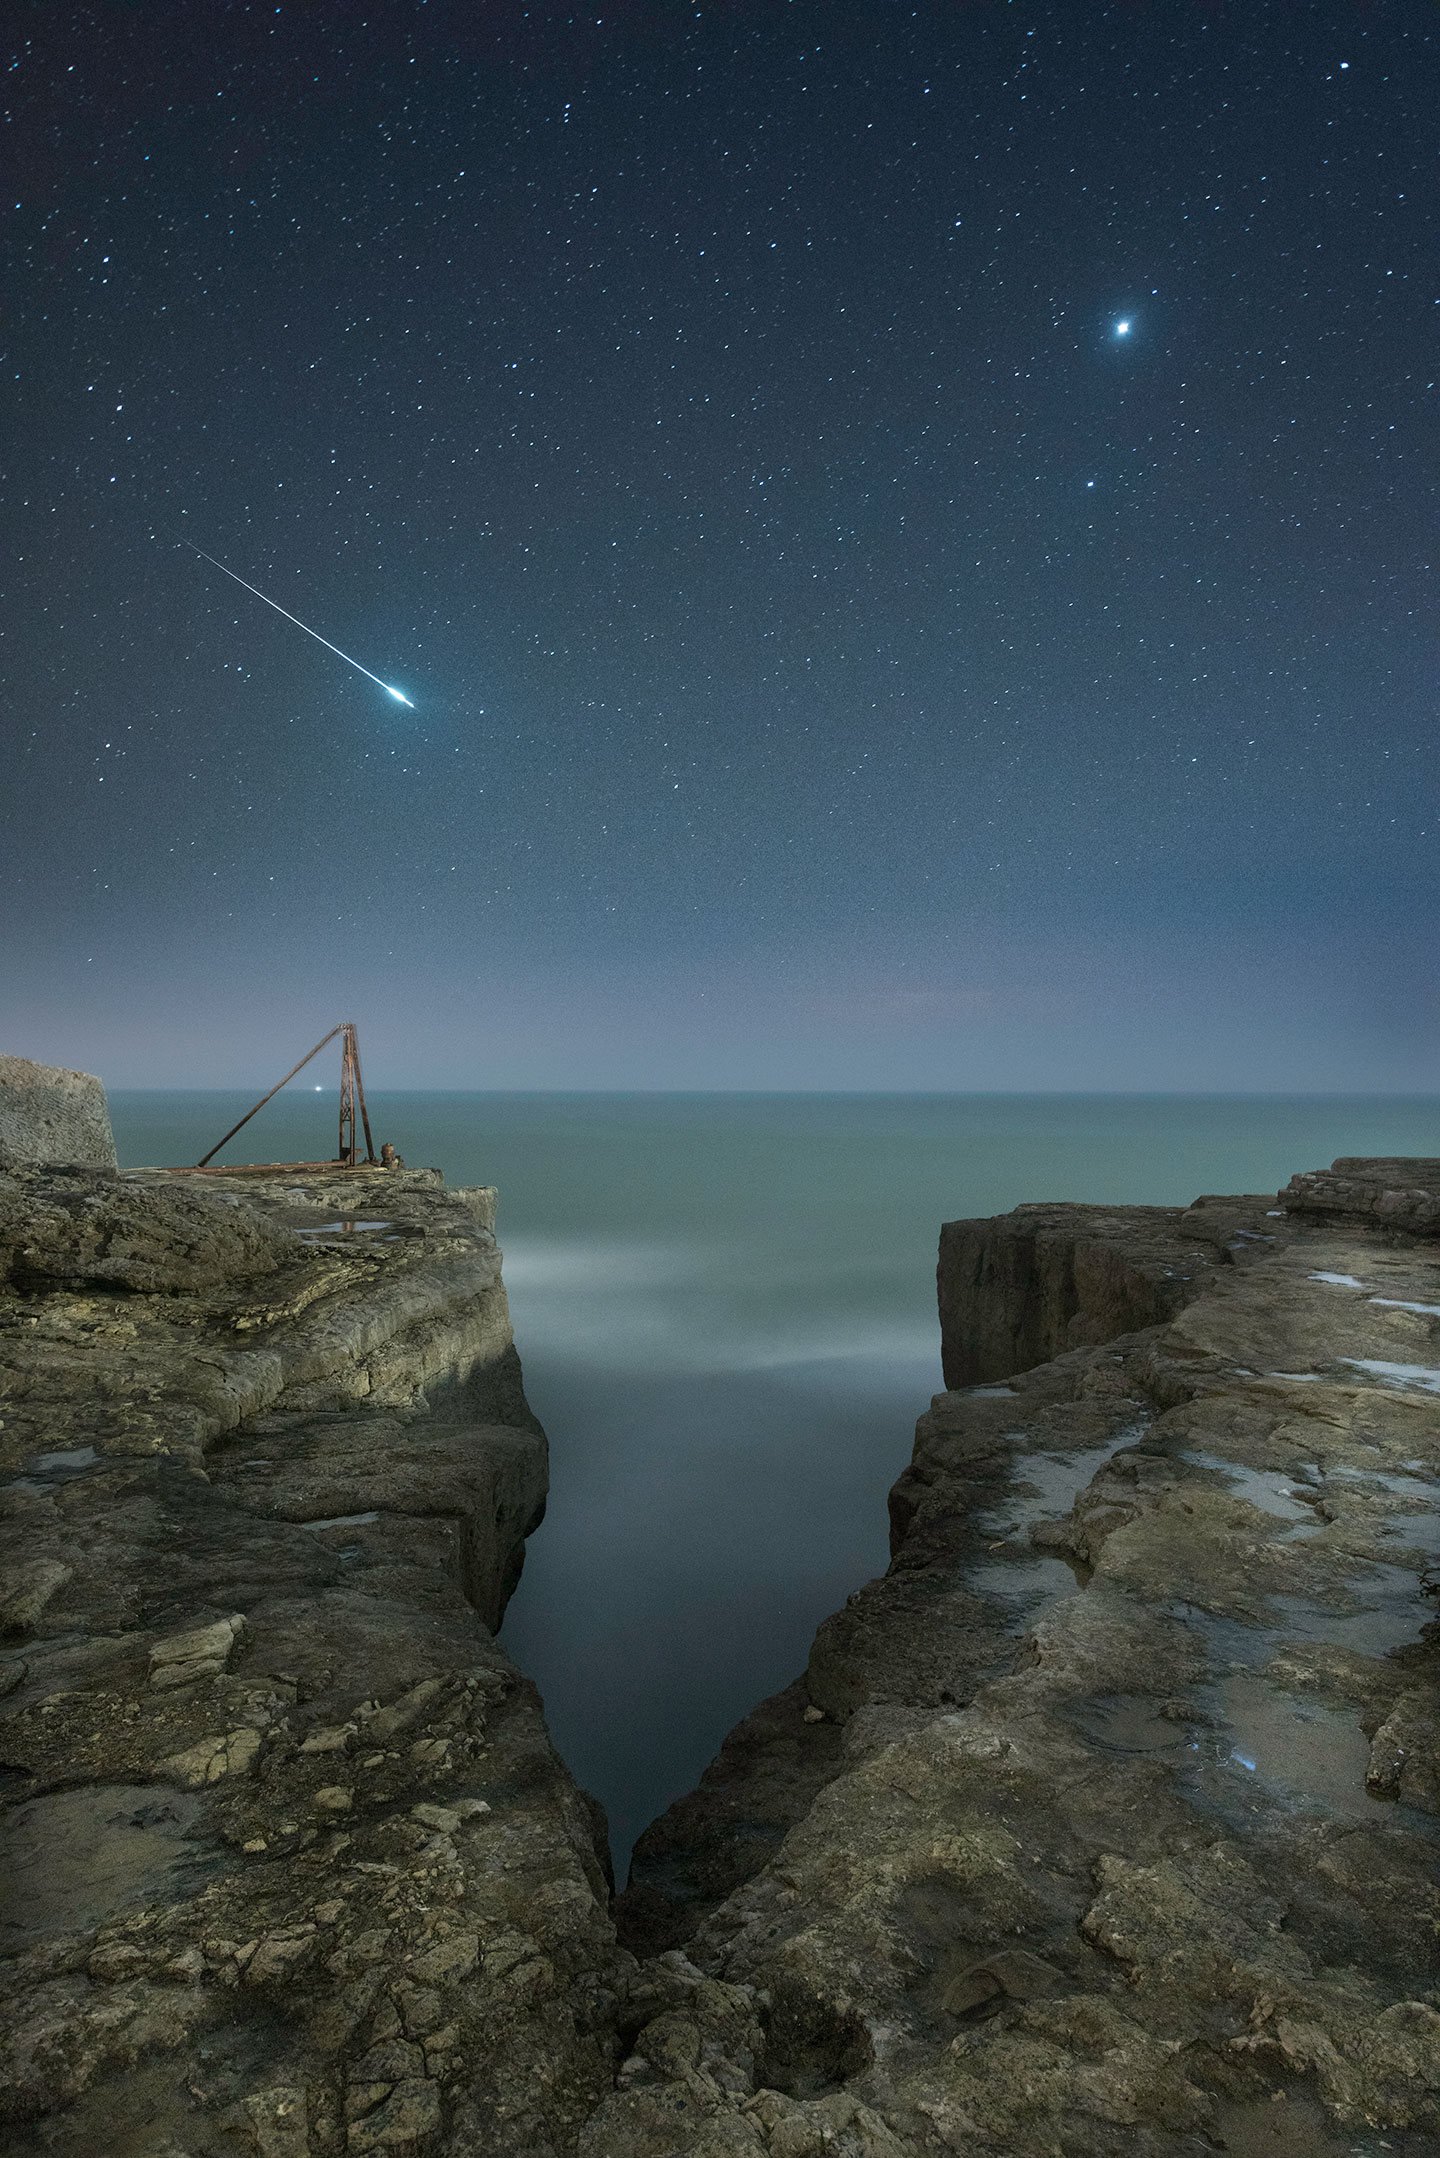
843,653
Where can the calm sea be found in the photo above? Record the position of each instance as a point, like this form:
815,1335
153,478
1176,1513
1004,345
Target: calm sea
726,1309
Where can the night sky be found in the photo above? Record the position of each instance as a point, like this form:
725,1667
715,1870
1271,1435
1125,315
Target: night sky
909,532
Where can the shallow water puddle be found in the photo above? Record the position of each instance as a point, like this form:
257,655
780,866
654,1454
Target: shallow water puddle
76,1857
1303,1748
1410,1486
1287,2124
1243,1728
1055,1480
68,1462
1396,1606
1292,1748
1269,1490
1046,1486
56,1468
1031,1584
1425,1377
1131,1723
1415,1522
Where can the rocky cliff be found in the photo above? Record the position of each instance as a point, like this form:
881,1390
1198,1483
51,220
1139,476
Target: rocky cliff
289,1863
1020,1288
1104,1823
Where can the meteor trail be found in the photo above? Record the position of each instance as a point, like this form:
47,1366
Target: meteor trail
389,689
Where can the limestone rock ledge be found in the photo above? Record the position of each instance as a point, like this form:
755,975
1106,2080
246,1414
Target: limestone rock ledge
289,1864
1107,1823
1019,1288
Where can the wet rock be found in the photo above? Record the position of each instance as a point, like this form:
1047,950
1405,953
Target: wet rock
409,2112
1405,1753
276,2122
73,1858
232,1753
26,1586
202,1652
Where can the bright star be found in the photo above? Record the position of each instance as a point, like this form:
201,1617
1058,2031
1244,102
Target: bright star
1122,329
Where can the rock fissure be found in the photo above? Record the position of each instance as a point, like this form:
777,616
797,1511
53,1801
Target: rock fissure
1105,1821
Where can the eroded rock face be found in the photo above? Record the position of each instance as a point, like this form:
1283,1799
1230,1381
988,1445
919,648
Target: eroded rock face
1399,1194
1126,1838
1016,1289
290,1864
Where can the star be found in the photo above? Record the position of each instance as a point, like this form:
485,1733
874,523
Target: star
1122,329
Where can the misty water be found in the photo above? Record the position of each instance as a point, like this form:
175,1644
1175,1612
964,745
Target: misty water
725,1305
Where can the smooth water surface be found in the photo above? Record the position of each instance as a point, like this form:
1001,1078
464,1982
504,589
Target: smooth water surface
725,1305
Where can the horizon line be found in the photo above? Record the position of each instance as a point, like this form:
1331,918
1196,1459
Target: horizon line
1158,1093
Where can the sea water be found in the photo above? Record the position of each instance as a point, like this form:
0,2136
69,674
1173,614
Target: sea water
725,1306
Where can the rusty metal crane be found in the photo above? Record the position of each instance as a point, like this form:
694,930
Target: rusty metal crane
352,1095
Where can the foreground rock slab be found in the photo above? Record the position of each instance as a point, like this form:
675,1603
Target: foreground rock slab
289,1864
1123,1837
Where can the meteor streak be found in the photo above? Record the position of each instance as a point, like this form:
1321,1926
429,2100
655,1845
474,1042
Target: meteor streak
389,689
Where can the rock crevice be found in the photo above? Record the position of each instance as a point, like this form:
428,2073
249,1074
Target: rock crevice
1105,1823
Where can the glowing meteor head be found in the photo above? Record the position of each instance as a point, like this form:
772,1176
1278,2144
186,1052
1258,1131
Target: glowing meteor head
399,696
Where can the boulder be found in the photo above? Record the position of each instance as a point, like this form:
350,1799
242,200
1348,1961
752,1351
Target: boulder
52,1117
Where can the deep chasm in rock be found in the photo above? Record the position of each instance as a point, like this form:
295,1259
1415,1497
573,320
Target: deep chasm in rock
1104,1824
